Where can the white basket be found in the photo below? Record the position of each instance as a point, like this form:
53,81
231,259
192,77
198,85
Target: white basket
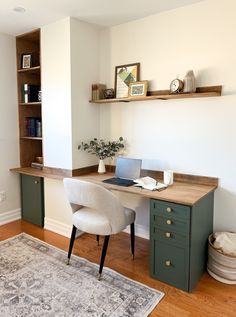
220,266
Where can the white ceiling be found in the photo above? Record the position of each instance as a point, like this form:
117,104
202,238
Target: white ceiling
100,12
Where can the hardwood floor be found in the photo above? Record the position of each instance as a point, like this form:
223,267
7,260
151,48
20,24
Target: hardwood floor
209,298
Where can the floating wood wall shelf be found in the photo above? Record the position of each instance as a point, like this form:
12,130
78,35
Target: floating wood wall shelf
210,91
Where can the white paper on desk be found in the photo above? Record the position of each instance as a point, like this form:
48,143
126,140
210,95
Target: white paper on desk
149,183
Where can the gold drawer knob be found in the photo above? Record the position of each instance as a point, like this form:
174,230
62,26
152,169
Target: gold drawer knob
168,209
36,182
169,222
168,263
168,234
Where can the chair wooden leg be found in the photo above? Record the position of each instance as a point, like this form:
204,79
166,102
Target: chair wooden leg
97,239
132,236
104,252
72,239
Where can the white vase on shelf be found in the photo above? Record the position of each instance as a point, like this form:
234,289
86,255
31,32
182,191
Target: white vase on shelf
101,167
189,82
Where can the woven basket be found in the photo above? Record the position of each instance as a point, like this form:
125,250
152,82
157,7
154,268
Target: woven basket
220,266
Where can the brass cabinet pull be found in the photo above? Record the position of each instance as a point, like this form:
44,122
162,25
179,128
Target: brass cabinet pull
168,209
168,263
168,234
169,222
36,182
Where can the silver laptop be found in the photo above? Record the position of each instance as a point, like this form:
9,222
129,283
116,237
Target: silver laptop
127,169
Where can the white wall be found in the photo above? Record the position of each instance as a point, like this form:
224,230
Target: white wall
9,143
195,136
84,72
58,215
56,98
70,64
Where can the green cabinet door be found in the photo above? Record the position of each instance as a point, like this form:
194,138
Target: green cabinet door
170,264
32,199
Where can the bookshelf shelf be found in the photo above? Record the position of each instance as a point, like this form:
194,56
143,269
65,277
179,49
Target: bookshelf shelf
30,114
30,104
31,138
210,91
29,70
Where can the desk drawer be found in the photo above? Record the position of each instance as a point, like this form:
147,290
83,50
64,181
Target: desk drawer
170,223
170,209
170,237
170,264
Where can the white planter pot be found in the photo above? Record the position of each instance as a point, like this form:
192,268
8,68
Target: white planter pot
101,167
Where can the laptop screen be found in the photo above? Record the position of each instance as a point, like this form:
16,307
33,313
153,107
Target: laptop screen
128,168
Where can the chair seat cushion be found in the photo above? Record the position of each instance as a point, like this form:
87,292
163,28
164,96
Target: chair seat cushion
92,221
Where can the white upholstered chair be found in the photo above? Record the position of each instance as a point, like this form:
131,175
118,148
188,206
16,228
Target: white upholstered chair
98,211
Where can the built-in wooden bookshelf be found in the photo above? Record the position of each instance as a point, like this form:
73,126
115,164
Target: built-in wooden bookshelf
30,146
209,91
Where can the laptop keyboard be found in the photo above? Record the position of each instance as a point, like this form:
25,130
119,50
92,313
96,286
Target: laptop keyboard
119,181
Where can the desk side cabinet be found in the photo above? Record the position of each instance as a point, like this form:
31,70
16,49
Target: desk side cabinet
178,241
32,199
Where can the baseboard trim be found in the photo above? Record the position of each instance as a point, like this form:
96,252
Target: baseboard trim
10,216
140,231
59,227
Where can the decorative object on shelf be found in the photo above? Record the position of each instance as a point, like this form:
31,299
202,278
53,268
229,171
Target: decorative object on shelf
38,163
30,93
189,82
26,61
98,91
39,159
40,95
109,93
176,85
102,149
138,89
124,75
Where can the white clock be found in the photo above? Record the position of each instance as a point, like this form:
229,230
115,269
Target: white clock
176,85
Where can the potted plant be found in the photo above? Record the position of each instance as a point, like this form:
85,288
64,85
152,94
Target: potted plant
102,149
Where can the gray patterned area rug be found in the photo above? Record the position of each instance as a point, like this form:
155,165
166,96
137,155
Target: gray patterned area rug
35,281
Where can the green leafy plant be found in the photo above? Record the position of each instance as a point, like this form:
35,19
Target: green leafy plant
101,148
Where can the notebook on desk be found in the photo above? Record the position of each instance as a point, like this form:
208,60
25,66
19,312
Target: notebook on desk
127,170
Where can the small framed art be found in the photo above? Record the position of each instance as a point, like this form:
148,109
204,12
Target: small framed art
26,61
138,89
124,75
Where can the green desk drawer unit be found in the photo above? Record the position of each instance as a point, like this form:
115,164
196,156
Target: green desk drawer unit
178,241
32,199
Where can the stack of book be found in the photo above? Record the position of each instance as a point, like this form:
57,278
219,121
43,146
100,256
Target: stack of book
98,91
37,165
30,93
34,127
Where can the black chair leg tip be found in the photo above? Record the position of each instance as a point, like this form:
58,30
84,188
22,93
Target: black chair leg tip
99,276
68,262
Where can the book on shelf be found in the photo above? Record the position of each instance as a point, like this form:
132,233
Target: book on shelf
30,93
34,127
37,165
98,91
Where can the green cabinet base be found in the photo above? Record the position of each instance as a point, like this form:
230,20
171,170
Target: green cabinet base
178,240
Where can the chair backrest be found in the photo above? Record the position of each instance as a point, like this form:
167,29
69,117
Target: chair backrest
85,194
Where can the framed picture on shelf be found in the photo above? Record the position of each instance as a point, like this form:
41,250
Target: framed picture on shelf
124,75
26,61
138,89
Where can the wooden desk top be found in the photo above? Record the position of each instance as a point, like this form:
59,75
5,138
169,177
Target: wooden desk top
181,192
